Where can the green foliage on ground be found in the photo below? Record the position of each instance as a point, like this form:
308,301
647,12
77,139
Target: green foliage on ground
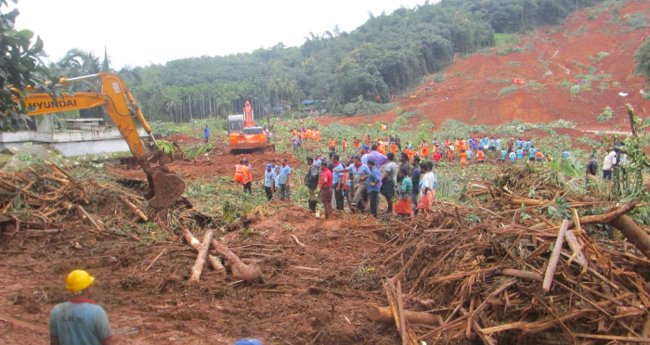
606,115
642,59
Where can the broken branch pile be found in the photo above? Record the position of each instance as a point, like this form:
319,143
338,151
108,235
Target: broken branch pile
500,279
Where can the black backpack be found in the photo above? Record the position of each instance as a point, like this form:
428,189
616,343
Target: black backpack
313,175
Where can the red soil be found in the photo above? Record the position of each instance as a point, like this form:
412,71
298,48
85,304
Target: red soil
551,61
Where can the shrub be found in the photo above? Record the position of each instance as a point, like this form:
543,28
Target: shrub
439,78
606,115
508,89
636,21
642,59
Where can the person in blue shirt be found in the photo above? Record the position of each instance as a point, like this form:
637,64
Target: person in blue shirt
284,180
206,134
520,153
504,154
470,154
513,156
565,155
519,143
373,185
269,181
531,153
79,321
361,173
337,175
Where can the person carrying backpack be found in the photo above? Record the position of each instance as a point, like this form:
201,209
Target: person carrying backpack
311,182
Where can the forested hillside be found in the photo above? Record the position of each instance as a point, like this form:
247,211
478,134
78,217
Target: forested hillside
375,62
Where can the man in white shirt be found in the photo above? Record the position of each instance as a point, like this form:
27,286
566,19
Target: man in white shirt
608,164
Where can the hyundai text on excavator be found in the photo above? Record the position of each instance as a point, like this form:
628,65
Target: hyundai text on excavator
116,99
244,136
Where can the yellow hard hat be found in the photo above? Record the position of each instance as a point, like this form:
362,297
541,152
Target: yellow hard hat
78,280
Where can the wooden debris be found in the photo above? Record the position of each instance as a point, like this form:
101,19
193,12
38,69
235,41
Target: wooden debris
239,269
89,217
134,208
385,314
200,258
555,257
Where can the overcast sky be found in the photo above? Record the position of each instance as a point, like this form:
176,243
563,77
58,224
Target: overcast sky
142,32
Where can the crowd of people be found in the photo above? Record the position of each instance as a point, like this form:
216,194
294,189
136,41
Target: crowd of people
404,174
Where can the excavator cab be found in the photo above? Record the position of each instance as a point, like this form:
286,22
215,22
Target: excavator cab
118,102
244,136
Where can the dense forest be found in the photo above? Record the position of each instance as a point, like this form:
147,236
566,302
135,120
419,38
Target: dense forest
385,56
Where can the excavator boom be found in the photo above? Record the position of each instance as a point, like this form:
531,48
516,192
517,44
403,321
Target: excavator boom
164,186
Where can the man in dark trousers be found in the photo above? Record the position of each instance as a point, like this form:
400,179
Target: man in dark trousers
337,175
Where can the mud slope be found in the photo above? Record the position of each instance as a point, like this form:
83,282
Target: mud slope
571,71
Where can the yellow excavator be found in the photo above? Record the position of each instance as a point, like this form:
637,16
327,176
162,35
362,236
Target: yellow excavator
116,99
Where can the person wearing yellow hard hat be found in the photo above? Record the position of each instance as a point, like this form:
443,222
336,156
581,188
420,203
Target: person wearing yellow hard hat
79,321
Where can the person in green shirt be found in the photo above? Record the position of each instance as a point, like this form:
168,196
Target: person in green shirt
403,205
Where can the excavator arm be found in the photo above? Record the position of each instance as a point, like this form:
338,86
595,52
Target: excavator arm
164,186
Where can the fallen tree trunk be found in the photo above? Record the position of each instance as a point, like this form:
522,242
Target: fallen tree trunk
576,248
239,269
200,258
633,232
214,261
384,314
609,216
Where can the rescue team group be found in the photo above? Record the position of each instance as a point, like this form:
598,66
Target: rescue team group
403,175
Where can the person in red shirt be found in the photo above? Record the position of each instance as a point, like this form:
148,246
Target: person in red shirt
325,193
437,156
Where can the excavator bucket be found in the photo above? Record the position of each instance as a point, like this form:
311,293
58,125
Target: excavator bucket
165,188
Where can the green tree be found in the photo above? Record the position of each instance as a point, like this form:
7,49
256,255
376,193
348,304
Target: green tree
642,58
20,66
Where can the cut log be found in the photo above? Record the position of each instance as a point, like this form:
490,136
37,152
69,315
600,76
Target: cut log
200,258
555,257
521,274
239,269
213,260
609,216
634,233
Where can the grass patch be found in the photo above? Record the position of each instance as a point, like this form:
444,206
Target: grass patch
508,89
606,115
636,21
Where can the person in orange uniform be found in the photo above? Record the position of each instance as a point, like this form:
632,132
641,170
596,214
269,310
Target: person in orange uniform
356,143
463,157
393,147
539,156
344,145
457,146
309,134
480,156
450,154
409,153
247,176
317,135
424,149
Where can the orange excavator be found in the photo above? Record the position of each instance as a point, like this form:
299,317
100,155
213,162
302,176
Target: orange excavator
116,99
244,136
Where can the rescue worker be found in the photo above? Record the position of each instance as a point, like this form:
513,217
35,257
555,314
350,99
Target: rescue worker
480,156
337,175
238,173
247,176
311,182
424,149
79,321
463,157
373,186
269,182
356,143
403,205
206,134
325,192
284,180
344,145
332,147
389,180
